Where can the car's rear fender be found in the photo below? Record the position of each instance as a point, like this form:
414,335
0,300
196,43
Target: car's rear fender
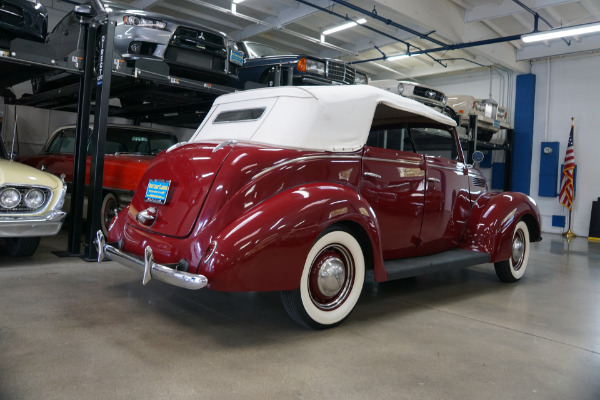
265,248
493,219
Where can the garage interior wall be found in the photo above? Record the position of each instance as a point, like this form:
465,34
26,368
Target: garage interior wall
566,87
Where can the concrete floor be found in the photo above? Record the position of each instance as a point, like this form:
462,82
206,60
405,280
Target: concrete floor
76,330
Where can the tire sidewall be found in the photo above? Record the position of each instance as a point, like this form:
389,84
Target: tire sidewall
336,315
106,201
518,274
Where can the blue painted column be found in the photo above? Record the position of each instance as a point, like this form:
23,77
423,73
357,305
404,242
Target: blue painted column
523,137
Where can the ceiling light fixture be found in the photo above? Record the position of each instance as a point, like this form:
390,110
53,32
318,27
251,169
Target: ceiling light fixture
561,32
396,58
345,26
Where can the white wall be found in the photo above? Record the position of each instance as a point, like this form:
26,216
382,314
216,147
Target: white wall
568,87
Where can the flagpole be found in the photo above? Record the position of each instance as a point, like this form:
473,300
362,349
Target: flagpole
569,234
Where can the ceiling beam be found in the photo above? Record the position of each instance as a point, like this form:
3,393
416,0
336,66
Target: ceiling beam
506,8
198,16
144,4
285,17
499,53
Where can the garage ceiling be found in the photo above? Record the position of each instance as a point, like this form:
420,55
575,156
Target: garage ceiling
296,25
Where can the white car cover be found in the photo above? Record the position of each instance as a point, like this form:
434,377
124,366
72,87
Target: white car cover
323,118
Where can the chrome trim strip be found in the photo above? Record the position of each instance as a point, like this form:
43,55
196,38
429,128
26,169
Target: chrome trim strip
417,163
456,169
300,159
148,266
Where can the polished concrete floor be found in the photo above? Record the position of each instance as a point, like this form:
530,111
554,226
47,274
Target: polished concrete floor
76,330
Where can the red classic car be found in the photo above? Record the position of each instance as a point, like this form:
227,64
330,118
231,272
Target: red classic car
129,150
302,189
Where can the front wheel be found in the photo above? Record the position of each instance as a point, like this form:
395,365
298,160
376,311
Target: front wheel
513,269
331,282
22,247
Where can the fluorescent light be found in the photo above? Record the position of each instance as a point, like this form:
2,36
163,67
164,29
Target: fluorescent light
344,26
237,1
396,58
561,32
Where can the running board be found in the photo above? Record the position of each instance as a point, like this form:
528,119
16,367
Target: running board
451,259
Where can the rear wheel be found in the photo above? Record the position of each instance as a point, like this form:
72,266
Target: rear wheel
109,210
331,281
22,247
513,269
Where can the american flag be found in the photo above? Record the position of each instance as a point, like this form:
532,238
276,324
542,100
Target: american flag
567,188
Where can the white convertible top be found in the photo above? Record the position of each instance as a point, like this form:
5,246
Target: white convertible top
325,118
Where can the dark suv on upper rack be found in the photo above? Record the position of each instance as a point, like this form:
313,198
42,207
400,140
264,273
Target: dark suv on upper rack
190,50
269,66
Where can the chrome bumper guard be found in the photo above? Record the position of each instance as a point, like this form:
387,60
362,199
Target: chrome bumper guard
148,266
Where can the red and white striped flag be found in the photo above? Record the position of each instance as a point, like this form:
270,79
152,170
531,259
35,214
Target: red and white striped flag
567,188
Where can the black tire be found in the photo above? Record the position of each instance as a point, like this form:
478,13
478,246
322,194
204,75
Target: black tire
108,211
22,247
513,269
323,300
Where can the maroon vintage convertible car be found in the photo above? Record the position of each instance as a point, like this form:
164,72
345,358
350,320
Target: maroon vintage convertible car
302,189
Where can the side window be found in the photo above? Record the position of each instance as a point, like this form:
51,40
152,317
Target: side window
54,146
390,138
434,142
67,144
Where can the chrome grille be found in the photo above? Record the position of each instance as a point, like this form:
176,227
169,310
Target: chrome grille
479,182
200,36
11,14
340,72
428,93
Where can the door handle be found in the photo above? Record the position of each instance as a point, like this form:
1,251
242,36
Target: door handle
433,181
372,175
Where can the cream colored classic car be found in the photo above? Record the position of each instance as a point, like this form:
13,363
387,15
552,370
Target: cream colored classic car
490,116
423,94
30,206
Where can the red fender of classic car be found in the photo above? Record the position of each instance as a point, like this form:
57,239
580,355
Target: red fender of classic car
302,189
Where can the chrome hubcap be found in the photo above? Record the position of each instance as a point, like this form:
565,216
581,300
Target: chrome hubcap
331,276
518,249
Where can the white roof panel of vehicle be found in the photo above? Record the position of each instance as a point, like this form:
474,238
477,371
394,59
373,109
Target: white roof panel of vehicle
325,118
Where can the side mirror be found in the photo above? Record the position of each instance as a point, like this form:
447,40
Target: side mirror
84,11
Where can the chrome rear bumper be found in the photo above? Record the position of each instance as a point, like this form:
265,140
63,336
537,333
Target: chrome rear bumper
148,266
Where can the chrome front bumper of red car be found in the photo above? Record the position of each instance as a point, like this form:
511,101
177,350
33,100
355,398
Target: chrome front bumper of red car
148,266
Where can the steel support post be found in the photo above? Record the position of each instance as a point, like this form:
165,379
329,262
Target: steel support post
98,137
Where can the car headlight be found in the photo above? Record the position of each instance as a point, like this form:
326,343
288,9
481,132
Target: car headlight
501,114
34,198
444,100
312,66
400,88
479,106
10,198
143,22
361,79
